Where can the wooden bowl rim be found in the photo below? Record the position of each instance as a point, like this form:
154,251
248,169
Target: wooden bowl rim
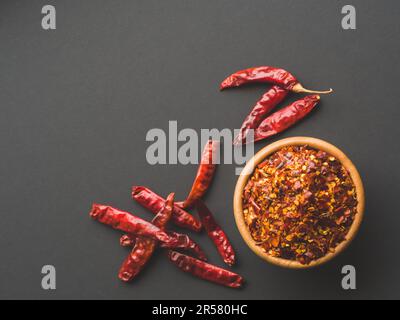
264,153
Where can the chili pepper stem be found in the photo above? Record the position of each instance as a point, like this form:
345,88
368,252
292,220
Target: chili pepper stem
298,88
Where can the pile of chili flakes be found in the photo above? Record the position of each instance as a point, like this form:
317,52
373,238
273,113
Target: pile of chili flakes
299,204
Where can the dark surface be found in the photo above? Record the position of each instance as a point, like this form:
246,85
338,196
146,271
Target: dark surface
76,104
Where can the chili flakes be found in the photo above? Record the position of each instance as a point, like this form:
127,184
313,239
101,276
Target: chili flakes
299,204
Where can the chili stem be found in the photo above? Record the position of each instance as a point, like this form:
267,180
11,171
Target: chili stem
298,88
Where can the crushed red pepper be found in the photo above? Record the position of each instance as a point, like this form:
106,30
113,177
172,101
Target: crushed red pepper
299,204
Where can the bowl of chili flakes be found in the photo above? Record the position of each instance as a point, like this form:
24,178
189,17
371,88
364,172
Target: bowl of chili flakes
299,202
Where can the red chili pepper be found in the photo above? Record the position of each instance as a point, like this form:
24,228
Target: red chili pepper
205,270
286,117
126,222
190,245
205,174
144,247
216,234
184,242
127,241
154,203
267,74
137,259
268,101
131,224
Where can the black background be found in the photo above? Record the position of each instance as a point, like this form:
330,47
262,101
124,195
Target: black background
76,104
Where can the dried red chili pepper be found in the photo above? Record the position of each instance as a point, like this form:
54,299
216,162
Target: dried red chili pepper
268,101
127,222
144,247
205,270
216,234
137,259
286,117
205,174
131,224
267,74
127,241
154,203
187,244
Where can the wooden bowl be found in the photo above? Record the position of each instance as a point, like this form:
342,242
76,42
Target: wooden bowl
263,154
